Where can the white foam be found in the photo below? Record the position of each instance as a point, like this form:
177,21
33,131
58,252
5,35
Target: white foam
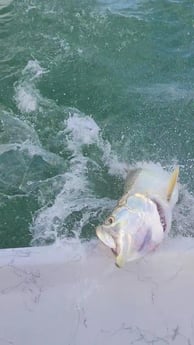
27,96
110,159
84,130
76,194
33,70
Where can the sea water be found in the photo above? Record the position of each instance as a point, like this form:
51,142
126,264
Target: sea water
87,90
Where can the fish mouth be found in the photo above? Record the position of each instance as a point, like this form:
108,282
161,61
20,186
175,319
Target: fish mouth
161,213
107,239
120,245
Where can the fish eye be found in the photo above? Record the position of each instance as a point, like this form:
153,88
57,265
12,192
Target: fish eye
109,220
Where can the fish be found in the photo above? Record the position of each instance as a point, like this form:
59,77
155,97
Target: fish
142,217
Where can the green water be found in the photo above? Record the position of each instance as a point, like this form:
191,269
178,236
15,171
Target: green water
87,87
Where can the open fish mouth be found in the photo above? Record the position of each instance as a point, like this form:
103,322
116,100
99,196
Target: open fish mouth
161,213
120,245
109,240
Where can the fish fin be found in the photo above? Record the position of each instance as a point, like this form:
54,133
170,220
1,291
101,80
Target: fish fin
172,183
130,179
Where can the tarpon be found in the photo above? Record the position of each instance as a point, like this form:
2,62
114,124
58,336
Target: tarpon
143,215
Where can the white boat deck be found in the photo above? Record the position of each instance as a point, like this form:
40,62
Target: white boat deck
74,295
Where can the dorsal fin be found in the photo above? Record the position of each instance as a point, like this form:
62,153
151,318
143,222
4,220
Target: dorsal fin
172,183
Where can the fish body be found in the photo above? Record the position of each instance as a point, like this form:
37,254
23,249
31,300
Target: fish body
143,215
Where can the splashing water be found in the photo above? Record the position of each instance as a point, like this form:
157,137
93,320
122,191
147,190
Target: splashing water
68,203
76,199
27,96
129,65
76,206
74,209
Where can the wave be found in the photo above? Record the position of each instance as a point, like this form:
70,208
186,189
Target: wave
125,8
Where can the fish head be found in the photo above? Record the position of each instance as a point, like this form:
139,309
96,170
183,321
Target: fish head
135,227
119,232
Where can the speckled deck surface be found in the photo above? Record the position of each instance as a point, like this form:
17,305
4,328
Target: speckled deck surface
73,294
